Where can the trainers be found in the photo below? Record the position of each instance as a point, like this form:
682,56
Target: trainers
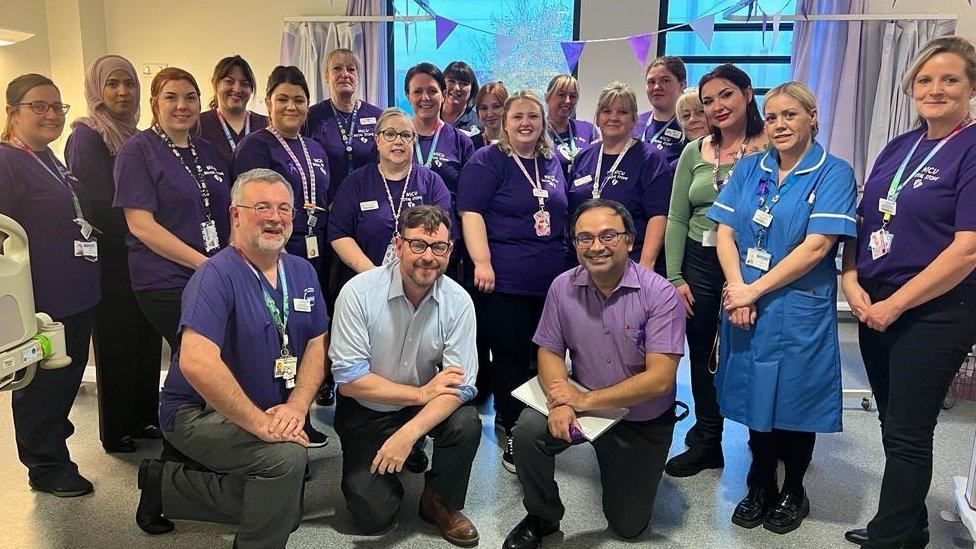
316,438
508,457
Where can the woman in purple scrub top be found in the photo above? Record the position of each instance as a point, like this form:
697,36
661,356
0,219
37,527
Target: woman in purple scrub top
175,192
38,192
459,105
910,280
229,121
490,105
569,136
664,79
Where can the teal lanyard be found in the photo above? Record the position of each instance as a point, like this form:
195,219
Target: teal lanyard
571,142
279,317
433,146
650,120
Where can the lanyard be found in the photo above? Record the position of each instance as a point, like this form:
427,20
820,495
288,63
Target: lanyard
347,135
898,182
228,134
197,175
396,210
308,182
433,146
536,183
280,317
650,120
597,188
63,176
735,160
571,141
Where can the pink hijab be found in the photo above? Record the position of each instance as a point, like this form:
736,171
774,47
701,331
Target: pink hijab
113,130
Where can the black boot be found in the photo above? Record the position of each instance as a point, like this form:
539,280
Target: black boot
149,514
693,461
752,510
528,534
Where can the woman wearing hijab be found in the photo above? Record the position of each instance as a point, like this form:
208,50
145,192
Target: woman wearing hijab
127,348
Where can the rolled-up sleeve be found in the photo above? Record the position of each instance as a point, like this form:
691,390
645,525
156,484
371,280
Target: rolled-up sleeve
461,348
349,347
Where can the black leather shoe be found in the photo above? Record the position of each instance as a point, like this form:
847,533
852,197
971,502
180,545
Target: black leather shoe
788,513
752,510
124,445
528,534
859,536
693,461
417,461
149,514
326,396
72,486
150,432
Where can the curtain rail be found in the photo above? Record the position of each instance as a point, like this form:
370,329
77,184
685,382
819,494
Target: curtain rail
356,18
854,17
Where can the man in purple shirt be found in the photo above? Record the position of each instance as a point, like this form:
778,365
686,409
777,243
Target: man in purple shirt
624,328
254,333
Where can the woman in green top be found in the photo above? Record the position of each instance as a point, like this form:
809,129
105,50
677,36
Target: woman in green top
736,130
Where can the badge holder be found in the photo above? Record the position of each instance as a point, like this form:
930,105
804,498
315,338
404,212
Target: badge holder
311,241
543,225
390,255
87,247
286,366
758,258
209,231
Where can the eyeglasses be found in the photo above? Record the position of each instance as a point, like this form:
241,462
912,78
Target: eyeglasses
41,107
264,210
418,246
607,238
391,135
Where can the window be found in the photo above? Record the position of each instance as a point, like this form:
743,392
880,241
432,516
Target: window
528,62
736,42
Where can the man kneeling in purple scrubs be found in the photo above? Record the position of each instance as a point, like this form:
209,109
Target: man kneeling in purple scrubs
624,328
254,331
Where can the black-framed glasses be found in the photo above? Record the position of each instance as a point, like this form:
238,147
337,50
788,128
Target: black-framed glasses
41,107
390,135
264,210
608,237
419,246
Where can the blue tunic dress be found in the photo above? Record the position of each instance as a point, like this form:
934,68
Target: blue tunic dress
784,372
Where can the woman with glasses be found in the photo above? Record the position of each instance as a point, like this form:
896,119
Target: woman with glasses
127,347
569,135
626,170
40,193
365,212
512,199
175,192
229,121
459,106
780,217
490,104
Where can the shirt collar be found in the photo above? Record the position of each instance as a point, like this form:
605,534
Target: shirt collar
630,279
814,158
396,284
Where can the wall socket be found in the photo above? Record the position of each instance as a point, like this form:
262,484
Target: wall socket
150,69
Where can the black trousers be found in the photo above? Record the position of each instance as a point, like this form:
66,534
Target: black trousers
41,409
127,359
483,382
162,309
374,499
795,448
702,272
509,322
631,455
910,367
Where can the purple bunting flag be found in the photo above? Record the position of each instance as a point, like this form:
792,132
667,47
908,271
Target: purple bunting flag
444,28
640,45
704,28
572,51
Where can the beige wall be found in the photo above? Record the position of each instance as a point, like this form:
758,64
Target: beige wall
31,55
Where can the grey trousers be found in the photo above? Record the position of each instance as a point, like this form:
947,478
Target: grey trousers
374,499
255,484
631,455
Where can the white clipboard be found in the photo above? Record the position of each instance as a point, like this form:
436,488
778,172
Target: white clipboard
593,423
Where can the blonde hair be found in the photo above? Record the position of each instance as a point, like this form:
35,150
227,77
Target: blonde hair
690,100
542,146
617,92
561,82
946,44
16,90
800,93
392,112
344,52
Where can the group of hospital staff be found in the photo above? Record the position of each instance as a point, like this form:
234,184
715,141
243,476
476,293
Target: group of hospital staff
740,209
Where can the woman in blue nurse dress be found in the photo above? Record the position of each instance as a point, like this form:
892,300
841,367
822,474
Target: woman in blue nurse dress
780,218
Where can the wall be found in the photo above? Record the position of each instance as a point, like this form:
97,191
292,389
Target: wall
31,55
966,26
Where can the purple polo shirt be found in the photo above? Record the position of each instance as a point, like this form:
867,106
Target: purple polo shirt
209,128
262,149
92,163
224,303
932,206
362,209
584,133
670,139
63,284
323,126
642,183
492,185
453,150
149,177
608,338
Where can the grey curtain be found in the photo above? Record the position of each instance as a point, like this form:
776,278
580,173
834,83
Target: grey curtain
370,45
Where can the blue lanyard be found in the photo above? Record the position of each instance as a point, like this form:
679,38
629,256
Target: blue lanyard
560,141
228,135
647,125
280,318
63,176
433,146
347,135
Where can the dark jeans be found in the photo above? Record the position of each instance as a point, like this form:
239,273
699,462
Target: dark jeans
703,274
127,357
795,448
509,322
374,499
41,409
631,455
162,309
910,367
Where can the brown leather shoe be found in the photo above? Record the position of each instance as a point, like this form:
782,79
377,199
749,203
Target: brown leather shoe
454,526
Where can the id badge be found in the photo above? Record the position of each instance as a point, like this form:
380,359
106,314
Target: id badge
762,217
543,226
880,243
887,206
286,368
87,249
302,305
540,193
566,151
390,254
710,239
311,246
580,181
312,220
758,258
209,231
